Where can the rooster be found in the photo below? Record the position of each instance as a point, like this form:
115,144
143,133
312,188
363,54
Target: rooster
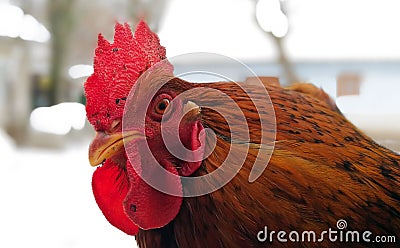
322,168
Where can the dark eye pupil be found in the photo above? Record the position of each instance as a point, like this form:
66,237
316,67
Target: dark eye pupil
162,106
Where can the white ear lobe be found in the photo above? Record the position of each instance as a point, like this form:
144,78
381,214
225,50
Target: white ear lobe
191,106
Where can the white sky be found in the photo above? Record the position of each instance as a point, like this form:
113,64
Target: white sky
319,29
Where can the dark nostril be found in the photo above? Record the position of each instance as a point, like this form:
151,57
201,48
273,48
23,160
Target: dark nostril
133,207
114,126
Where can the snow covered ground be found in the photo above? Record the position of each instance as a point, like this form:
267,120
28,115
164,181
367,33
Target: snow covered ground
46,200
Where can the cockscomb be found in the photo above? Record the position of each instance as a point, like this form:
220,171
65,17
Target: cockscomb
117,66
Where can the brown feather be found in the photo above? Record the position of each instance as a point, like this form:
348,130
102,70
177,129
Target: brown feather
322,169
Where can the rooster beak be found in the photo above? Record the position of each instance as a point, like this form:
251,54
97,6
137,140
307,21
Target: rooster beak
106,145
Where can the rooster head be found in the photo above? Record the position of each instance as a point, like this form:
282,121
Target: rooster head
126,200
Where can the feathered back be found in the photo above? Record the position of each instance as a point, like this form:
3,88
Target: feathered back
323,169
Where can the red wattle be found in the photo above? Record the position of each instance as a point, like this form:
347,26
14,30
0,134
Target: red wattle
110,185
148,207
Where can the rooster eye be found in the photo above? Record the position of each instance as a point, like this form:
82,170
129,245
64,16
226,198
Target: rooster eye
162,106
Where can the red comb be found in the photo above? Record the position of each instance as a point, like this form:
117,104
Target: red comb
117,66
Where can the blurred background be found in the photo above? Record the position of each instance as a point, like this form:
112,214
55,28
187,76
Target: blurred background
349,48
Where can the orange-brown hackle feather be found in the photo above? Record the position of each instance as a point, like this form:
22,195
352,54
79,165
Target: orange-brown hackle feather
322,169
